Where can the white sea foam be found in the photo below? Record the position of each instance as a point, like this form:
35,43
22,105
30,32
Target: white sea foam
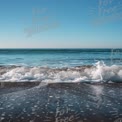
99,72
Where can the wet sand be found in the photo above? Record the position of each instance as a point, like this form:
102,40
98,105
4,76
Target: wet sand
60,102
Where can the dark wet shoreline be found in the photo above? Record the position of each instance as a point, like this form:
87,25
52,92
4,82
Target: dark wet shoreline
60,102
29,84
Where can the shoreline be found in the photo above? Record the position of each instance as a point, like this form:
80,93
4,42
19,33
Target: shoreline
34,83
60,102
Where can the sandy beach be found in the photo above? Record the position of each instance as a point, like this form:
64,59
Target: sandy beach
60,102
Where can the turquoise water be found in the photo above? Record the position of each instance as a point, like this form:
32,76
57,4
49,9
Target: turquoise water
61,65
59,57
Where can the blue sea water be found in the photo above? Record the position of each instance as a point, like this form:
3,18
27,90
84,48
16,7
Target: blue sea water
61,65
59,57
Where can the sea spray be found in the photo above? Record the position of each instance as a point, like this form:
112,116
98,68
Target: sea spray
98,72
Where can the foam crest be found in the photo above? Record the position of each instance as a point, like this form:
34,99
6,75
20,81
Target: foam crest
99,72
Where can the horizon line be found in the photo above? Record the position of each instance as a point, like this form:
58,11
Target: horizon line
63,48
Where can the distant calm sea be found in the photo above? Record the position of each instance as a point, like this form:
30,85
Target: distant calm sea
61,65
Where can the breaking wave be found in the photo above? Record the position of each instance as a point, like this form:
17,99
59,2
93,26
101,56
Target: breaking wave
98,72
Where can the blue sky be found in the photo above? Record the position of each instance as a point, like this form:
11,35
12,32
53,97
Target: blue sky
60,24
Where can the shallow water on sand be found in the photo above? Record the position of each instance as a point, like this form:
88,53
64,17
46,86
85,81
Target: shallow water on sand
62,102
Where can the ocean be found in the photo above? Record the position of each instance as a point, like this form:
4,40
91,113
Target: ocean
61,65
